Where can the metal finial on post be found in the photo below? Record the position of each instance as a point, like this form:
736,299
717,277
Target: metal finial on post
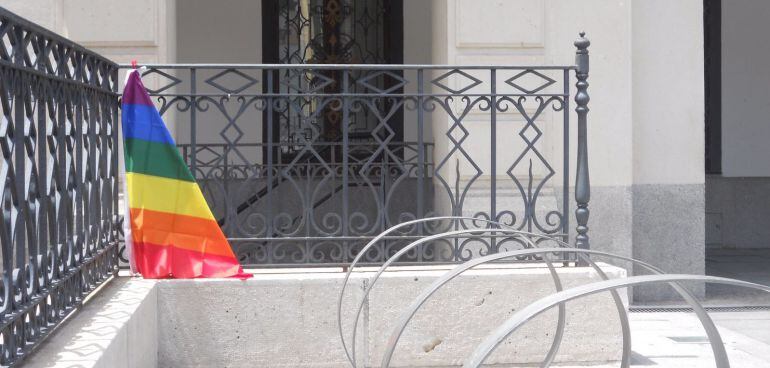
582,182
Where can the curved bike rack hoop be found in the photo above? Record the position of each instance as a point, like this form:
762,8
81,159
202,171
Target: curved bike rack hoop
494,339
558,335
557,299
708,324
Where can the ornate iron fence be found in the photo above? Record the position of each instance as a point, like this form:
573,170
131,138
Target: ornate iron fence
306,163
58,173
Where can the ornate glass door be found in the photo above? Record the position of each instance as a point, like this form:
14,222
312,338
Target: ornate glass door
328,32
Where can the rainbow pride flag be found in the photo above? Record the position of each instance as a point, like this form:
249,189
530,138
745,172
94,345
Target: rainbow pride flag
173,232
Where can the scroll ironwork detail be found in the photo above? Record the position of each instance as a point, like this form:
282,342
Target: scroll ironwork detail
59,224
429,136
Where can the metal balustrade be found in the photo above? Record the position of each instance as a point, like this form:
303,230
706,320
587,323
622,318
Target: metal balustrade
59,223
303,164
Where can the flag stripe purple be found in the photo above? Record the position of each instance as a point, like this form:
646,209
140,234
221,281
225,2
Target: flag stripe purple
134,92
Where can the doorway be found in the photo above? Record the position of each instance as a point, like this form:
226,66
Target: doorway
737,156
330,32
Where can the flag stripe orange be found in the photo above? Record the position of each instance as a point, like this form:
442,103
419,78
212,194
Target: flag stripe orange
181,231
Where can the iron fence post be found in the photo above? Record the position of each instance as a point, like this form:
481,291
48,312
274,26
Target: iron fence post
565,160
193,124
346,106
421,169
22,92
115,163
582,182
40,257
493,153
271,164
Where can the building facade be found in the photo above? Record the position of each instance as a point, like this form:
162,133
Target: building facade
651,197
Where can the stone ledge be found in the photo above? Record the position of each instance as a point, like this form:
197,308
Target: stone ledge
116,329
287,318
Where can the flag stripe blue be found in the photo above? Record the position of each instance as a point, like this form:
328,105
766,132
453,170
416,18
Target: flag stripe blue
144,122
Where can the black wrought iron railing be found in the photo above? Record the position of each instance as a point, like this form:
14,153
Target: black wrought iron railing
306,163
58,180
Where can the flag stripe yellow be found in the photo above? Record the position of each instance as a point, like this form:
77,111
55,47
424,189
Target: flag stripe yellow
166,195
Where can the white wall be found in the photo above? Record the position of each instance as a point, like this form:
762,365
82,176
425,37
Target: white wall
220,32
418,49
122,31
142,30
668,200
47,13
668,114
608,25
540,33
745,88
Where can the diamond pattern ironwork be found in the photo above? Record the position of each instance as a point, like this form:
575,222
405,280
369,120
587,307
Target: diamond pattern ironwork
172,80
316,81
366,82
443,80
531,133
231,134
382,140
206,155
58,180
217,82
6,47
546,81
309,164
379,129
457,134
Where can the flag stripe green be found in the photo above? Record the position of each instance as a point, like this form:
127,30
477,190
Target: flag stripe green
155,158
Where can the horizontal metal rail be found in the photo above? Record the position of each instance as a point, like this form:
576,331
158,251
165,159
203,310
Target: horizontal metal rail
346,66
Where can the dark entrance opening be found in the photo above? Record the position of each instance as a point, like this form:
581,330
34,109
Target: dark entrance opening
329,32
712,58
736,215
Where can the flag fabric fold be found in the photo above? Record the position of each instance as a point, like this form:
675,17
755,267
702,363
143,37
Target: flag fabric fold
173,232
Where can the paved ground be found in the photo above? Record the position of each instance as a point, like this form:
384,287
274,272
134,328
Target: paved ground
749,265
676,340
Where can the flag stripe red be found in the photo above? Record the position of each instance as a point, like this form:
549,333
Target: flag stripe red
161,262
